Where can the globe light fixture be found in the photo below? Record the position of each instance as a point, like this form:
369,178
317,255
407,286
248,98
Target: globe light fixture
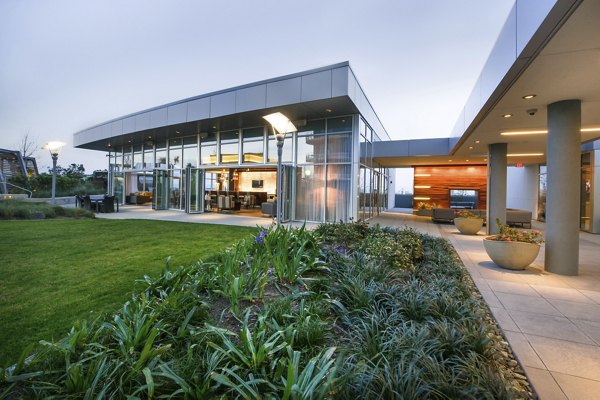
54,148
281,126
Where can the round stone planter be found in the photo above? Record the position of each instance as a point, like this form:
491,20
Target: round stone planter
511,255
468,226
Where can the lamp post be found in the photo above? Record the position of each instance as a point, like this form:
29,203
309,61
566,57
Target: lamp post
281,126
54,148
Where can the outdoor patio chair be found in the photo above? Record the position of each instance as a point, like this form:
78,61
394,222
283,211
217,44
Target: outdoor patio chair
107,205
87,203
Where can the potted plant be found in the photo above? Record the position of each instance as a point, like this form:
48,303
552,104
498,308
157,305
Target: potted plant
468,223
513,248
424,209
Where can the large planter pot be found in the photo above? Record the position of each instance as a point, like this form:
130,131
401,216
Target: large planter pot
468,226
424,213
511,255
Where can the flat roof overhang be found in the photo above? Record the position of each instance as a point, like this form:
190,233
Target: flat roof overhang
318,93
296,112
564,66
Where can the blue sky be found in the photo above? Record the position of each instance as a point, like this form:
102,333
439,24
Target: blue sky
68,65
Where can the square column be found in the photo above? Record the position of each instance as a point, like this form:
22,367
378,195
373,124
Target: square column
562,198
496,186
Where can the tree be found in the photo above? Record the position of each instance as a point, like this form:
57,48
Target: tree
72,171
27,145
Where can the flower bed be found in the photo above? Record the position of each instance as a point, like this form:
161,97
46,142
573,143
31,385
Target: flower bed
345,311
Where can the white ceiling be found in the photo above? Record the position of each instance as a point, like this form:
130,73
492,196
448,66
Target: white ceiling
567,68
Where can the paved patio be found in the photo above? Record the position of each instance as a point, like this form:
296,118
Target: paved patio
552,322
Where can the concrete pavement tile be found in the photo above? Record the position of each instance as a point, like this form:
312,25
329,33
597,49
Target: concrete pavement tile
504,319
480,283
527,303
544,384
578,388
586,312
490,298
590,328
566,357
523,350
512,287
549,326
558,293
592,294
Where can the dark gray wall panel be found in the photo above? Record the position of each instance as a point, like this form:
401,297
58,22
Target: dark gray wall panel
339,81
198,109
433,147
116,127
177,114
158,117
251,98
129,125
287,91
142,121
222,104
316,86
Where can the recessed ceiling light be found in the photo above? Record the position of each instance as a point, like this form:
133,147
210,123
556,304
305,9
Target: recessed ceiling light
477,141
529,96
328,110
214,127
517,133
470,147
467,160
422,187
507,115
524,154
449,160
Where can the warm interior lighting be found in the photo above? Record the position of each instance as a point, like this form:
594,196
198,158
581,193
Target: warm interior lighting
422,198
280,123
590,129
524,154
422,174
477,141
528,96
507,115
422,187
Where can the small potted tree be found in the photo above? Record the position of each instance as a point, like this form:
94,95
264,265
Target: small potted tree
513,248
468,223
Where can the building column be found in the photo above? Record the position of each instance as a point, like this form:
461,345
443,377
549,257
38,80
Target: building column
496,186
562,198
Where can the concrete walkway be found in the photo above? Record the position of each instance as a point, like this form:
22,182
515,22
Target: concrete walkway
552,322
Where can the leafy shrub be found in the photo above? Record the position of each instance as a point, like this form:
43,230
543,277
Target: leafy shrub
395,316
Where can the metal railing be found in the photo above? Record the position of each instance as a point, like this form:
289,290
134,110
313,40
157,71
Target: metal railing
19,187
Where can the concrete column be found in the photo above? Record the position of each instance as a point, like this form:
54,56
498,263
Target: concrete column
496,186
562,198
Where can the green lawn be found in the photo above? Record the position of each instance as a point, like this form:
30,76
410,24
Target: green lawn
53,272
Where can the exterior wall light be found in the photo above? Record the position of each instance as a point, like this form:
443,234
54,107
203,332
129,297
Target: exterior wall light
54,148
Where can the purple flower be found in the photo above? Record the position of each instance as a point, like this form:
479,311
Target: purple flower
341,250
262,233
259,239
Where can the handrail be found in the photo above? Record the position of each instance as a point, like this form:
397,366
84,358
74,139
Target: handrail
19,187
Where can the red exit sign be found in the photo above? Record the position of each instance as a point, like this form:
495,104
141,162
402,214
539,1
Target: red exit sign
519,165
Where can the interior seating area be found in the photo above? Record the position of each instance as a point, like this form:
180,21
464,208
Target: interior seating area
139,198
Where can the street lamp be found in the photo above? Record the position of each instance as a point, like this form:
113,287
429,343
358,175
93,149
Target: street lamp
281,126
54,148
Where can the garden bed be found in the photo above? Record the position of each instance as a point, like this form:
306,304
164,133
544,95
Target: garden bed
345,311
15,209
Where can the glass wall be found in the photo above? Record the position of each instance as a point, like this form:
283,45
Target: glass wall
229,147
373,179
253,146
190,152
208,149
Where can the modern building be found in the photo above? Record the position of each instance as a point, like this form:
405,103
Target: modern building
525,138
215,152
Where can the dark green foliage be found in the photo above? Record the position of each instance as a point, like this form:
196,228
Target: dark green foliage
393,315
14,209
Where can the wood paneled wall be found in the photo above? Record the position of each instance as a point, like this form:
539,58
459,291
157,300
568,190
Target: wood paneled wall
443,178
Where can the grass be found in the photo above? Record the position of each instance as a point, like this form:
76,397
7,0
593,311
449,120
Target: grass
57,271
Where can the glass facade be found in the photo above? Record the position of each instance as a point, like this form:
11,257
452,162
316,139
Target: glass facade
321,161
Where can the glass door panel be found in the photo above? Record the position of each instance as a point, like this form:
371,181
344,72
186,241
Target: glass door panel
117,186
161,189
195,191
176,190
